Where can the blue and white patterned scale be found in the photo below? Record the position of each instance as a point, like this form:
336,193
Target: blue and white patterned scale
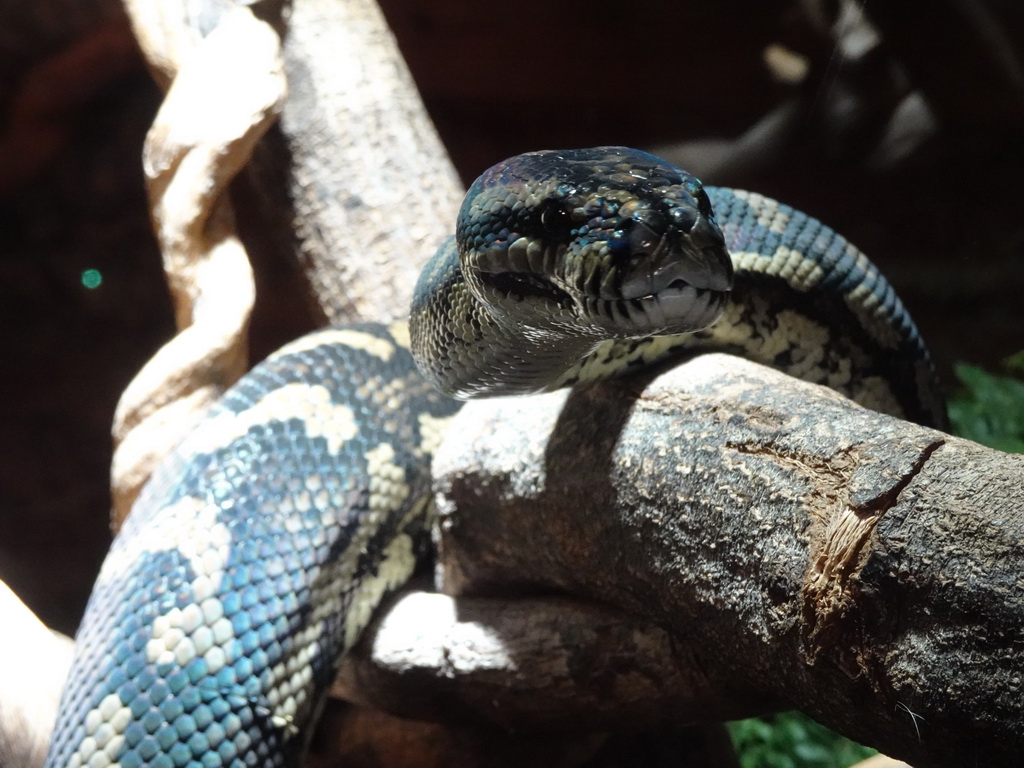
227,598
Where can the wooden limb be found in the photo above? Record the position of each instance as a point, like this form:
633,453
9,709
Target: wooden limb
880,761
226,92
33,664
546,664
355,170
794,546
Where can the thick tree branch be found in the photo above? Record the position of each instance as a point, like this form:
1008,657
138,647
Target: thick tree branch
355,181
33,664
541,664
794,546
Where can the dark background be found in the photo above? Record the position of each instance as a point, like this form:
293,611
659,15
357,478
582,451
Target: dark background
911,144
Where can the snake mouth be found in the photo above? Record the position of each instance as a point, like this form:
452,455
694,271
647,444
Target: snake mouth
521,286
677,308
662,283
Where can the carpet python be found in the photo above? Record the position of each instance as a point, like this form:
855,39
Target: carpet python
256,554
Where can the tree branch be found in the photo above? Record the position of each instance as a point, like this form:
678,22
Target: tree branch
197,144
794,546
33,664
355,179
533,664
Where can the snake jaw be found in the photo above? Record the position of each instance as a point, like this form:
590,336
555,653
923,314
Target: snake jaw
524,286
679,308
667,284
679,244
520,272
658,273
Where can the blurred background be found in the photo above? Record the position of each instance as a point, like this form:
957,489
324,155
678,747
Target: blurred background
901,124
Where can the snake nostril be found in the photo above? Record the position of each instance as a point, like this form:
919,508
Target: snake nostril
652,229
643,240
654,220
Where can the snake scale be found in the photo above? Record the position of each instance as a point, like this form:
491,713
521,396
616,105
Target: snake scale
256,554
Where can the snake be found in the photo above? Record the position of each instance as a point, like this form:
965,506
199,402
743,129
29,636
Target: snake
257,553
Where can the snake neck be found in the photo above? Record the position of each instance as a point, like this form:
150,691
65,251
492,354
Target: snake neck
805,301
467,350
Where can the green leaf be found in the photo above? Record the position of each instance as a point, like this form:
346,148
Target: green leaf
1015,363
990,409
792,740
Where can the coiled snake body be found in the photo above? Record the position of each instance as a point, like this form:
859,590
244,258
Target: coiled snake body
256,554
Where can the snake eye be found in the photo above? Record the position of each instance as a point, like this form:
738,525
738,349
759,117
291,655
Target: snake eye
555,218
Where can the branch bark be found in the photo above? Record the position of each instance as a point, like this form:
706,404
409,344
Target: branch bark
547,664
355,179
794,547
33,664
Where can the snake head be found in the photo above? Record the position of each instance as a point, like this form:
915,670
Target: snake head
605,242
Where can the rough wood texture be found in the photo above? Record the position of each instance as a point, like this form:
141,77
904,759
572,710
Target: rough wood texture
356,737
794,545
881,761
859,528
542,664
356,180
